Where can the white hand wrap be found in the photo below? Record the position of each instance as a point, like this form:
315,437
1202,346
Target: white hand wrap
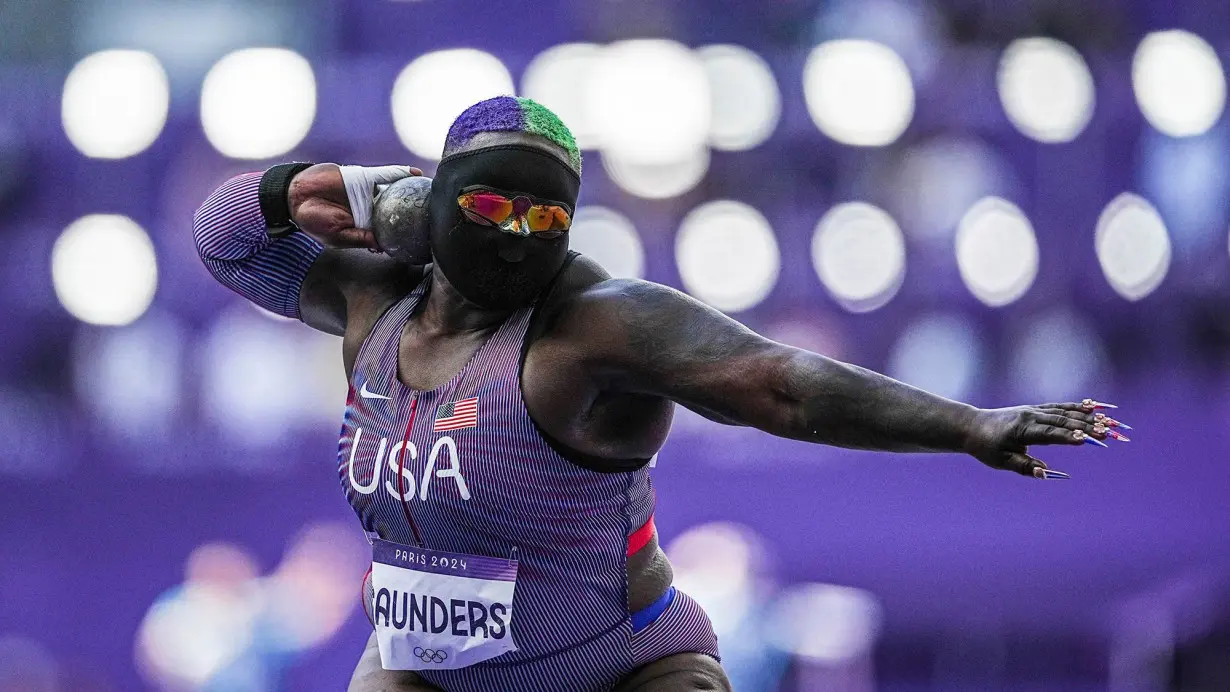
361,182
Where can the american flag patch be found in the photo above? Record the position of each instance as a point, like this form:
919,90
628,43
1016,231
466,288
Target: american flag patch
456,415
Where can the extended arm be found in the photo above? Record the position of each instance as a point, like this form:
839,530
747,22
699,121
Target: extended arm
650,339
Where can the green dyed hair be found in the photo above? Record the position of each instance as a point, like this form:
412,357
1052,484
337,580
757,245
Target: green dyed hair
513,114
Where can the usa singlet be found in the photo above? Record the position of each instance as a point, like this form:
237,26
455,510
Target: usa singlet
462,468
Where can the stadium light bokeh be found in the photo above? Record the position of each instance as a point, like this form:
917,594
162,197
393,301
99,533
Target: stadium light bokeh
858,92
1133,246
657,180
997,252
939,179
1179,82
746,103
1046,89
134,372
115,103
435,88
649,101
610,238
941,353
858,252
727,255
104,269
556,78
257,76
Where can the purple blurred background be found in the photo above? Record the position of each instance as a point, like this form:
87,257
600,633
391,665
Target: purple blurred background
901,184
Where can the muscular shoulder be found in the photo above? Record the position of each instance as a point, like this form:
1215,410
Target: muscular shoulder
628,328
348,290
622,316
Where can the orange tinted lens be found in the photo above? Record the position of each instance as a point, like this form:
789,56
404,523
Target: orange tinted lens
495,207
543,217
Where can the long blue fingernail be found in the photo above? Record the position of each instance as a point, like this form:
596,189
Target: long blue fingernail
1114,434
1050,474
1095,441
1111,422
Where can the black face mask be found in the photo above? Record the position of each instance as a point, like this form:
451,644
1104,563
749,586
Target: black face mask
489,267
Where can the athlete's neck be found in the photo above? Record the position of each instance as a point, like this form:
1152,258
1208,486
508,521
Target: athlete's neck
447,312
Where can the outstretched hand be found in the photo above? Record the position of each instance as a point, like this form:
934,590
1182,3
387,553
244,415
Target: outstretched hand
322,200
999,438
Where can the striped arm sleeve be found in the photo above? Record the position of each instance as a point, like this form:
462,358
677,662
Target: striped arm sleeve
230,238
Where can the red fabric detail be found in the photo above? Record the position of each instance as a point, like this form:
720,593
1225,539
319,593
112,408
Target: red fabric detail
640,538
363,595
401,476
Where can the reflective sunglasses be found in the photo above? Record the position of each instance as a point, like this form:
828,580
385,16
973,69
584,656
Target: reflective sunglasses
517,214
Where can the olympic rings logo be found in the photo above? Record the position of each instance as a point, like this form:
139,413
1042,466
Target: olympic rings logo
430,655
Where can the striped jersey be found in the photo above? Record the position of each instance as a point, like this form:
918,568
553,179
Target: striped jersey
463,468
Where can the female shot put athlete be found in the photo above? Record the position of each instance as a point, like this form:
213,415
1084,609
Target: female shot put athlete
505,400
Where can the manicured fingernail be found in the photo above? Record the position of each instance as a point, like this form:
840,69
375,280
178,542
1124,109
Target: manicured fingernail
1095,441
1103,418
1091,404
1049,474
1116,435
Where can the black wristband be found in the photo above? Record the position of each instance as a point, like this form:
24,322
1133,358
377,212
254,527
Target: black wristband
275,183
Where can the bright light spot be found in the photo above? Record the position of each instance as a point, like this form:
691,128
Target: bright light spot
557,78
433,90
133,373
1133,246
104,270
1058,356
727,255
939,180
745,102
997,252
938,353
649,100
858,92
258,103
826,623
609,238
1188,180
915,30
657,180
859,255
191,634
1179,82
115,103
257,401
1046,89
719,565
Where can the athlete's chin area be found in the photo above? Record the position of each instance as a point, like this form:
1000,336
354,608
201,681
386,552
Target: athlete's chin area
507,288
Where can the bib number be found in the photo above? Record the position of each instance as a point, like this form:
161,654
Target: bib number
435,610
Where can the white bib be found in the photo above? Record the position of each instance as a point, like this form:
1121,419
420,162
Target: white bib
439,611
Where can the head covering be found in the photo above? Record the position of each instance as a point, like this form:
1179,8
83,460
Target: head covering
512,114
487,266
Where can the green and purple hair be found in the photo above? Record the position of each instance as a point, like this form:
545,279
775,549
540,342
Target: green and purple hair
512,114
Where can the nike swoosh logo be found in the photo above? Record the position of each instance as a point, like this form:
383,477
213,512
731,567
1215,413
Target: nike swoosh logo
371,395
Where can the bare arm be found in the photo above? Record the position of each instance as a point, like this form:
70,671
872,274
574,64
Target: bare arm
646,338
